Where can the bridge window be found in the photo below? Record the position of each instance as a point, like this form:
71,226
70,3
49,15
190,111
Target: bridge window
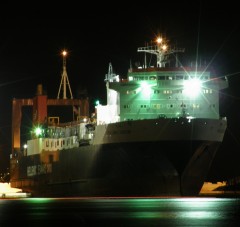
179,77
152,77
161,77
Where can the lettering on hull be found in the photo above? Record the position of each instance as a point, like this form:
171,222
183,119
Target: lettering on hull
39,169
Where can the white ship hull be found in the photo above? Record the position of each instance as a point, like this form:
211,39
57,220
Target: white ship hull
161,130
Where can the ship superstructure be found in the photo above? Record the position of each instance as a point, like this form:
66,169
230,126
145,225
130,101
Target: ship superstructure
160,91
157,135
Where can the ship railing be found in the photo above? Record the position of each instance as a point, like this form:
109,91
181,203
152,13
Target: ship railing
72,123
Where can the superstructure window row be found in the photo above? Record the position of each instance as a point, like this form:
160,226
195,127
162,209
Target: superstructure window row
169,77
169,105
133,92
207,91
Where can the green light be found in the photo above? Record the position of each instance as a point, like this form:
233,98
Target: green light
97,102
38,131
39,200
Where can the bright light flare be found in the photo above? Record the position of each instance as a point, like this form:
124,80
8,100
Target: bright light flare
164,47
38,131
192,87
146,88
64,53
6,188
159,40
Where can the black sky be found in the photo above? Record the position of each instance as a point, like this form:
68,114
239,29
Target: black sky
32,37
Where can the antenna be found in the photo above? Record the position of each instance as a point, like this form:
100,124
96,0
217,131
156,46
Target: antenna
161,50
64,80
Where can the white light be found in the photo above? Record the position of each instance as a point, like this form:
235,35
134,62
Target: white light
164,47
192,87
64,53
146,88
159,40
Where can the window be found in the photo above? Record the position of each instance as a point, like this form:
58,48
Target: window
156,106
179,77
161,77
130,92
167,92
207,91
195,106
170,106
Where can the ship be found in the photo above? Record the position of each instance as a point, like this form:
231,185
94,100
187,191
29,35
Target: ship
157,135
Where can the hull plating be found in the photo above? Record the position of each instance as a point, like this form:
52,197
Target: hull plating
166,168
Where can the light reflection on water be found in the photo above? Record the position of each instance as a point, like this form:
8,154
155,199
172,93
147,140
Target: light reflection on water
121,211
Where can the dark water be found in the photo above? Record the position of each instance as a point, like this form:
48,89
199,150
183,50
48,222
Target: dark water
120,212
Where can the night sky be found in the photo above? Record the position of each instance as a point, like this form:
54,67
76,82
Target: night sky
33,36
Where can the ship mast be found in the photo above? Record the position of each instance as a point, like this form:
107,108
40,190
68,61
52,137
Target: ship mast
111,76
64,79
161,50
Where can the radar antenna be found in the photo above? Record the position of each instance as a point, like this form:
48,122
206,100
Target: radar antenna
64,80
161,50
